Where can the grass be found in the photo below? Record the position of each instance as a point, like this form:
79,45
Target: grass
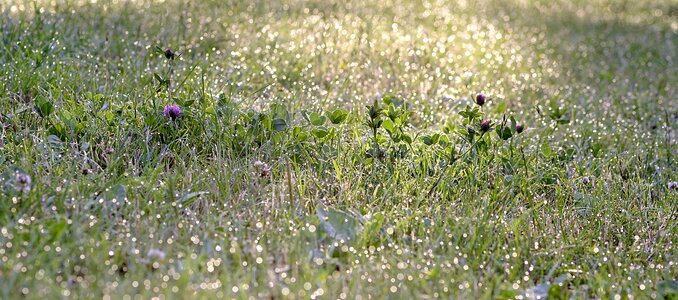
275,181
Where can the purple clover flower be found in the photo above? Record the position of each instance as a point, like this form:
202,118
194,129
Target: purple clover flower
172,111
480,99
155,254
520,128
169,54
23,182
486,126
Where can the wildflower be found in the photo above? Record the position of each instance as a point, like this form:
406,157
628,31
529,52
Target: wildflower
264,169
23,182
172,111
486,126
265,172
480,99
585,180
155,254
673,185
169,54
520,128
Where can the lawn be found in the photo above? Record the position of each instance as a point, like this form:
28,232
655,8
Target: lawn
492,149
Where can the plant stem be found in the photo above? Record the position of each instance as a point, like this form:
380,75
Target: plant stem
451,161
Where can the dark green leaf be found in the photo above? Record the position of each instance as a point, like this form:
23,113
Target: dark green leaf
279,112
317,119
43,107
427,140
279,124
58,130
338,116
320,132
504,132
430,139
158,78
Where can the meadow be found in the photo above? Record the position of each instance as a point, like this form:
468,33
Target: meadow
326,149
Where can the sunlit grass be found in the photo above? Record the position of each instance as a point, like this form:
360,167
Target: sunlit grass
123,201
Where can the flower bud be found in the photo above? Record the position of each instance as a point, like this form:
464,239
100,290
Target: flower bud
169,54
480,99
485,125
520,128
374,110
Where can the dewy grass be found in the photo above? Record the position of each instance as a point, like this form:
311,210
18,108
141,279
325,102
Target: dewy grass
212,149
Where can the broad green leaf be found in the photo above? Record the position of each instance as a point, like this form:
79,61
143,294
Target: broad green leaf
388,125
338,224
317,119
279,111
504,132
443,140
546,150
371,232
43,107
338,116
427,140
279,124
57,229
449,127
430,139
320,132
435,138
58,130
